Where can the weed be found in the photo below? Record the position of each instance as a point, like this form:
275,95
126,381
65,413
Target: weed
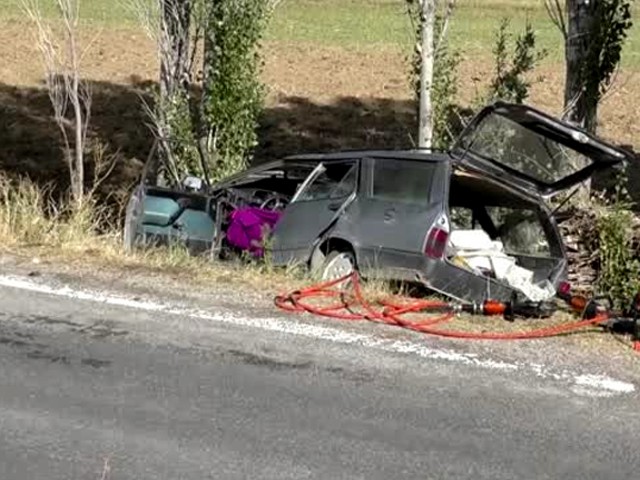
23,218
31,221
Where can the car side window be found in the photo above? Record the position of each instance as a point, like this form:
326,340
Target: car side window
336,181
402,181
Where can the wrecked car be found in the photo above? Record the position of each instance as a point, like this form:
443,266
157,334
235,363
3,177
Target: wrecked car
474,223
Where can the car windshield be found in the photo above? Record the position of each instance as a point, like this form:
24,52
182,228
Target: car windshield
522,150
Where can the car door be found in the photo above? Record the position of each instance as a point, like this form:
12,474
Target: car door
400,202
532,150
319,202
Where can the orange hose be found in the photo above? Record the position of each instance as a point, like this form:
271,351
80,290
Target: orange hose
393,312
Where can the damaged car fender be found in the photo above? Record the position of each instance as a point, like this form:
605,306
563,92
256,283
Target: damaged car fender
321,201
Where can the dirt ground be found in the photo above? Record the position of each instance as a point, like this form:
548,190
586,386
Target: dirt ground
320,98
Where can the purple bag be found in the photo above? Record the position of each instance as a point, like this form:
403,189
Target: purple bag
248,227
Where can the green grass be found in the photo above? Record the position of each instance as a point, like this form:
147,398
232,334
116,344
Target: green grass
361,23
385,22
108,12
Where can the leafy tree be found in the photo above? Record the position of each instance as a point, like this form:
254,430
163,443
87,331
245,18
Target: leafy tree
206,118
594,33
232,93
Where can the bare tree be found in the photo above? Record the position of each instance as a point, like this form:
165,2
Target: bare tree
428,48
576,30
70,96
187,31
169,24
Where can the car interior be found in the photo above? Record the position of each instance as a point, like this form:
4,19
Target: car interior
515,222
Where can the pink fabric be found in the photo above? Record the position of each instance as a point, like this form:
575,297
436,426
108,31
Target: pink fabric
248,227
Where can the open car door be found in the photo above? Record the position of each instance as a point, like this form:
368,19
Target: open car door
180,212
317,204
532,150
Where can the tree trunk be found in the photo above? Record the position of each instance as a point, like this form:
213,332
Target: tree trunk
174,39
207,151
427,52
581,95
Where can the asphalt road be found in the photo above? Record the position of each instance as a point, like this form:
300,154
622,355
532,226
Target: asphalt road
89,391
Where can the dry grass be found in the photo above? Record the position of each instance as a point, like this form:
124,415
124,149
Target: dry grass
31,223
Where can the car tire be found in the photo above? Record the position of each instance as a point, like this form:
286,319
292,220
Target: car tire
337,264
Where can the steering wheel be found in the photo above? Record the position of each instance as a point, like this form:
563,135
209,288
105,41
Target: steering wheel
275,201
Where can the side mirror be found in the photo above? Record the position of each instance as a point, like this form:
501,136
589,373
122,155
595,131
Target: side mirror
193,183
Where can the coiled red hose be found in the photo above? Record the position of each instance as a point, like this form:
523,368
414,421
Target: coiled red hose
353,307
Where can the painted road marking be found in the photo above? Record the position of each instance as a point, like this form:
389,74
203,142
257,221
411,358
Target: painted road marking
584,384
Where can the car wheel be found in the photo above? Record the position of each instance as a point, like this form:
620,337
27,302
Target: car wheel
337,265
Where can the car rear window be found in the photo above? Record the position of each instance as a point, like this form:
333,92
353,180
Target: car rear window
523,150
402,181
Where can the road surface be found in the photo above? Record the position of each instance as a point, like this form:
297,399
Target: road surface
92,390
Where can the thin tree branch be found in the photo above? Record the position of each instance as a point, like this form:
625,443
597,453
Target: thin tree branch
450,6
556,14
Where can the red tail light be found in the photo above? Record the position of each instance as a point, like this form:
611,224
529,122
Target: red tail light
436,242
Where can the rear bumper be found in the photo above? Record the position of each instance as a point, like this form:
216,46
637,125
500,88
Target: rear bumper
452,281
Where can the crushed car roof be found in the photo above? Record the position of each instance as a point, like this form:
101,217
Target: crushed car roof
313,158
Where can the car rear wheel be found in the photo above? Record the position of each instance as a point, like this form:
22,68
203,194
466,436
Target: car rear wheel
337,264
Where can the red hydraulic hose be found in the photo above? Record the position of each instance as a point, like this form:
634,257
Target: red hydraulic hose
393,312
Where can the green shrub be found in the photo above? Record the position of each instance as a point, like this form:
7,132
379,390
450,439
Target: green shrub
232,91
619,275
510,82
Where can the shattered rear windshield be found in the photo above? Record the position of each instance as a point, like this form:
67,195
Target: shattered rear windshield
516,147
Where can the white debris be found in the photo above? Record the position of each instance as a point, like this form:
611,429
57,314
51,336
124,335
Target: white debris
475,250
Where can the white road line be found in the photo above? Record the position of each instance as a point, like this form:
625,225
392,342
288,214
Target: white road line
585,384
